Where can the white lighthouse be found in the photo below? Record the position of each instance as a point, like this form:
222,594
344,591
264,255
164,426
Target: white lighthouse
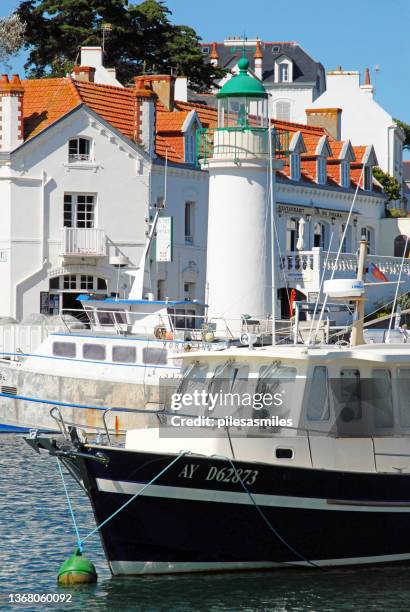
237,155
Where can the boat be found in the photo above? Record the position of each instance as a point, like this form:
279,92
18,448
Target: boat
318,476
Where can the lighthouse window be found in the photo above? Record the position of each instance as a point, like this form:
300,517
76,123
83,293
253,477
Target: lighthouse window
64,349
124,354
318,400
381,394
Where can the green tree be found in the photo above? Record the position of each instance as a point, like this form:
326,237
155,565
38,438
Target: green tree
141,38
406,127
390,185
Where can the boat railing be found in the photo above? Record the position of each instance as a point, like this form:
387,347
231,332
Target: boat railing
174,326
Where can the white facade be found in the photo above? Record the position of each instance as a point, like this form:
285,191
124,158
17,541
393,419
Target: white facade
363,120
41,187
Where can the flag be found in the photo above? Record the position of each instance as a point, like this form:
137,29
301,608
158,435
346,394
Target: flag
292,300
377,273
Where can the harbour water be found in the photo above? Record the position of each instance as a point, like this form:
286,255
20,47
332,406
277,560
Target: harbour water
36,535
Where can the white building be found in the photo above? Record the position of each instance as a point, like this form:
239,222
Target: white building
290,76
361,118
80,165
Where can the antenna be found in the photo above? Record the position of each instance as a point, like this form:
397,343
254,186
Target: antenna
376,69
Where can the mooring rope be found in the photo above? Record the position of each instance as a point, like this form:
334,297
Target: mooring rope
266,520
80,541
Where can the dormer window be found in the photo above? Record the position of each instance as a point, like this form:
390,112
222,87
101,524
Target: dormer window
367,178
295,166
189,142
283,73
345,174
79,150
321,170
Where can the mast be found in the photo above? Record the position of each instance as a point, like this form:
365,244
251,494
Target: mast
273,234
356,336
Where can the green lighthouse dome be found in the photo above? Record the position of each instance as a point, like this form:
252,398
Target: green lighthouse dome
242,84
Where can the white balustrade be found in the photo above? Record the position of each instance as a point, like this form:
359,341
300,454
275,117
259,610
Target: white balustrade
82,241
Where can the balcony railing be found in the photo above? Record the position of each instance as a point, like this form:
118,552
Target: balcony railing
240,143
307,267
79,157
82,241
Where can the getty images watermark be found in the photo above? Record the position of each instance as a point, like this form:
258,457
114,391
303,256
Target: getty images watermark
228,410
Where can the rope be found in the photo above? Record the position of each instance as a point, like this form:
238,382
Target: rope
79,543
165,469
266,520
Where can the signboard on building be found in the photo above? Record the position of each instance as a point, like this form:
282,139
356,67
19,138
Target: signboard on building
294,209
164,239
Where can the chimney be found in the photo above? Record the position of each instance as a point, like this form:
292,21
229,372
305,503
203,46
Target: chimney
92,56
145,98
85,74
214,57
163,85
367,86
328,118
258,56
11,113
181,89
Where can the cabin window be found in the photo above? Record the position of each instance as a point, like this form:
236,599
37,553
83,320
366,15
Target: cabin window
381,398
154,356
94,351
229,382
318,400
120,317
64,349
79,150
124,354
403,393
275,381
105,318
349,396
194,378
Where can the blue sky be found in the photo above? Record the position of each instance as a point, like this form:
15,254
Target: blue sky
352,33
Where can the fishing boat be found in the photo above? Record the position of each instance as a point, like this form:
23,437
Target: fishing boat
319,476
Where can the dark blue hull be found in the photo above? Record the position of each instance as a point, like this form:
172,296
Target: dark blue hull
196,517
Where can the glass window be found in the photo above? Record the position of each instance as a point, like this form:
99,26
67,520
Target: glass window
345,174
295,166
319,235
321,170
78,149
189,225
318,400
70,281
105,318
381,398
94,351
120,317
54,283
291,234
64,349
283,111
154,356
124,354
87,282
79,210
283,73
349,400
403,394
101,284
276,381
189,148
368,179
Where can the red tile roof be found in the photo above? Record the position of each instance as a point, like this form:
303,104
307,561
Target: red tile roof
47,100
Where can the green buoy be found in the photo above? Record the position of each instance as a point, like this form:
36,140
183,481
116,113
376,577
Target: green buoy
77,570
